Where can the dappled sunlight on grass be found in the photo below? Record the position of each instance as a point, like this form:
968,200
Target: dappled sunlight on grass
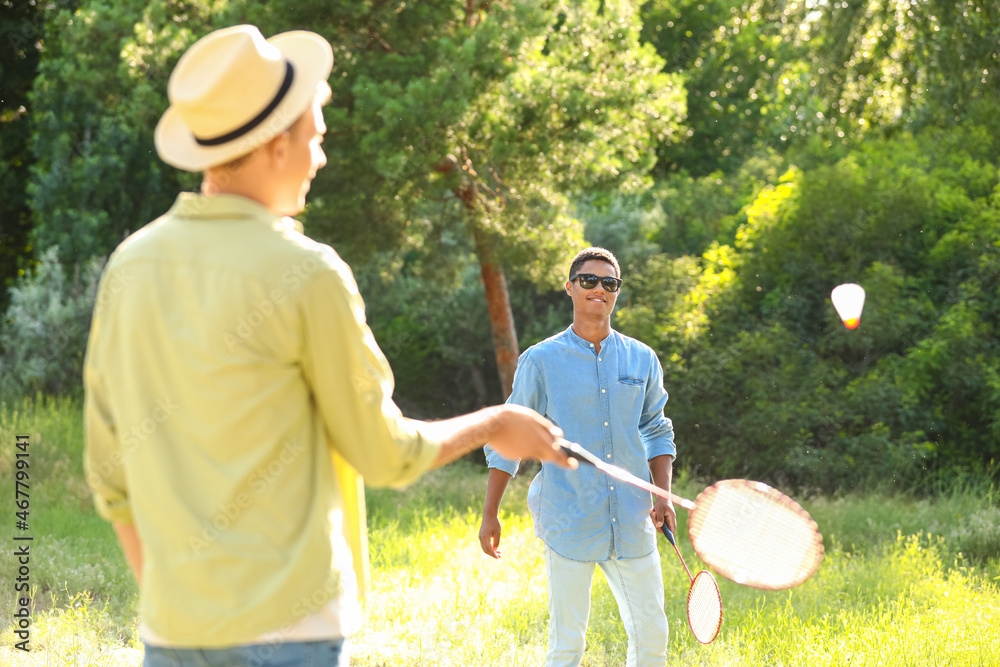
73,630
906,581
902,606
439,600
895,599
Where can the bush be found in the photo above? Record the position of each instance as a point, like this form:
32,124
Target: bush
765,380
44,332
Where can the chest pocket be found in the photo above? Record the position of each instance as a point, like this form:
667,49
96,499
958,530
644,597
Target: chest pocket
628,397
629,391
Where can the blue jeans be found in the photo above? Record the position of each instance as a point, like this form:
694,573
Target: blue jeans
329,653
637,584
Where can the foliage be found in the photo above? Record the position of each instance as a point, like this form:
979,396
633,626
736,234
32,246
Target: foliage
100,89
623,224
788,74
447,120
912,64
483,120
824,143
773,387
700,210
45,328
22,27
435,332
740,61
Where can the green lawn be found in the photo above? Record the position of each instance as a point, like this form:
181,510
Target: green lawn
906,581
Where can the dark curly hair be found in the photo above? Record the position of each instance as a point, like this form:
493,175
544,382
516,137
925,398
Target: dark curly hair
602,254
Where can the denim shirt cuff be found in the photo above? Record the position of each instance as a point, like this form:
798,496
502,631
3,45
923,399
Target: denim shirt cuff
495,460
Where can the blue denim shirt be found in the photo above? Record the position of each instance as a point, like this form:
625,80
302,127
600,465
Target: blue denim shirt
611,403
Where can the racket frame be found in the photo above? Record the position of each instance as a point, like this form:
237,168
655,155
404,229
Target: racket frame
583,455
704,573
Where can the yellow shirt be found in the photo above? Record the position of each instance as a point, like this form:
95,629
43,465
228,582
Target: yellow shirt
234,398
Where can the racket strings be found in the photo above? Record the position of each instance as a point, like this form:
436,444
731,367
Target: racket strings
704,607
755,535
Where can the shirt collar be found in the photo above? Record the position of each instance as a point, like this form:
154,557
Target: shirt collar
583,342
193,205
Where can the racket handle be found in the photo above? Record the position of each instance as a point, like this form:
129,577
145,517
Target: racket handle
574,452
670,536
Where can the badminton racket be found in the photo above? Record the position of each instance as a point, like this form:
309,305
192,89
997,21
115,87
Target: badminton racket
704,602
746,531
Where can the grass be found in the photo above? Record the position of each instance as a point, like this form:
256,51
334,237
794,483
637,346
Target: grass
84,598
906,581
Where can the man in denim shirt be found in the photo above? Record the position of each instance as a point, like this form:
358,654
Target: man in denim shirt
605,391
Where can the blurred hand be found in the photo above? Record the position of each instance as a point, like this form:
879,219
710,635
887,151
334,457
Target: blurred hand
524,434
489,535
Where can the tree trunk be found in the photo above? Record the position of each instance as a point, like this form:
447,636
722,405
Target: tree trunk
501,317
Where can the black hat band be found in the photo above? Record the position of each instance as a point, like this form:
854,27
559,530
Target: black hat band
259,118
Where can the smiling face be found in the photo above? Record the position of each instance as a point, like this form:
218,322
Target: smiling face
595,303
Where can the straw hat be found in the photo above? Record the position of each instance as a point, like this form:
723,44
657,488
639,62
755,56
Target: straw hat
233,91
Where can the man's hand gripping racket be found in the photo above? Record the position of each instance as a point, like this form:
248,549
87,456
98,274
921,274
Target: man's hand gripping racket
746,531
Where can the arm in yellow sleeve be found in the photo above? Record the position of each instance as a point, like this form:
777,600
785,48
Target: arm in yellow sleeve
104,467
103,459
352,385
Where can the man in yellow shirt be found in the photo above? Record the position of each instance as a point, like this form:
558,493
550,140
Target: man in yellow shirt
235,396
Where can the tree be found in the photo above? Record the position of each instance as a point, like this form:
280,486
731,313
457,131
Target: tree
478,121
472,121
821,75
22,26
773,386
744,65
100,90
908,64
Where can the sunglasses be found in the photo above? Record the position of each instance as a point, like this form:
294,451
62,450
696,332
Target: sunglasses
589,281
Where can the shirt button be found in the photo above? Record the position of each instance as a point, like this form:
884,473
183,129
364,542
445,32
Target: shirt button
605,423
613,519
591,345
609,456
604,391
598,358
612,488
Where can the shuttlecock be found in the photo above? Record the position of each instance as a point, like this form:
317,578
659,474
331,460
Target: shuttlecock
849,300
